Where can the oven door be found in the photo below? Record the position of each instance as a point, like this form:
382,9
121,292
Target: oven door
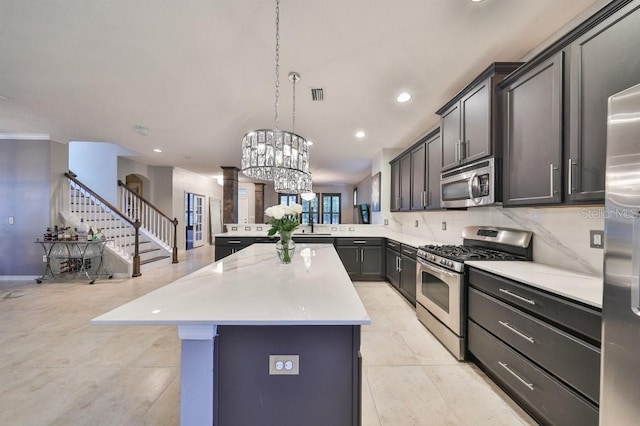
440,292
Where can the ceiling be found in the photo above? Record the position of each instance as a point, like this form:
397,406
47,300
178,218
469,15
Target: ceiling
200,73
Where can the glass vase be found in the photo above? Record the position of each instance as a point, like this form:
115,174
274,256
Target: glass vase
285,247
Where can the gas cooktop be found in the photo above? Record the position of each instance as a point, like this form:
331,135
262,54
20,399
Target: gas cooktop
481,243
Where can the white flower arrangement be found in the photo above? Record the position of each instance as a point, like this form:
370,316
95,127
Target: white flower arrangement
284,218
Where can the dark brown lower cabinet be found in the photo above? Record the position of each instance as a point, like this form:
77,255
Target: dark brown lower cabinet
325,392
541,349
541,395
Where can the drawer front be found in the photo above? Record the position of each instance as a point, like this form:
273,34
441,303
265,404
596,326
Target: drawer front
359,241
549,401
261,240
580,319
572,360
234,241
408,251
312,240
393,245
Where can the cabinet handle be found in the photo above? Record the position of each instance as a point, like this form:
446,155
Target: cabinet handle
424,199
357,256
514,374
457,150
552,180
361,255
570,176
234,242
408,252
359,242
399,264
519,333
517,296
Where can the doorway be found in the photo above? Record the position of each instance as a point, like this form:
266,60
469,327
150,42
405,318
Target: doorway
135,184
194,220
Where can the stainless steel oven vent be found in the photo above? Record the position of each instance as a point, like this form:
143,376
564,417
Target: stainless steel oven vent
317,94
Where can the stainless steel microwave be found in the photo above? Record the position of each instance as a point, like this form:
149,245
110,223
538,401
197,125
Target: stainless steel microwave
471,185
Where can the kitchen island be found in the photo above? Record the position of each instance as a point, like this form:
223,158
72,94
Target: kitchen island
262,343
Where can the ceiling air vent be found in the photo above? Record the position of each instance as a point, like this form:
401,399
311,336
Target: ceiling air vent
317,94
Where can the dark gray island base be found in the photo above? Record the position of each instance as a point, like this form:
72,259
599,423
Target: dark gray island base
325,392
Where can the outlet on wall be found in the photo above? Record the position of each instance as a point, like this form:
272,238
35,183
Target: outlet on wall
444,226
416,224
596,239
288,365
386,221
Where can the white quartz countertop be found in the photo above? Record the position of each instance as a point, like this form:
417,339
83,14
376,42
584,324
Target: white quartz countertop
251,287
573,285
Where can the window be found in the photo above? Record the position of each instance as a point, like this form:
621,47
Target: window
287,199
305,211
331,208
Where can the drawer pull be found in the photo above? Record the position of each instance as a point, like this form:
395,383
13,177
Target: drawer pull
234,242
517,296
408,251
519,333
359,242
513,373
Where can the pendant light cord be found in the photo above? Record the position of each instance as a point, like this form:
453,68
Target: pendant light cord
277,106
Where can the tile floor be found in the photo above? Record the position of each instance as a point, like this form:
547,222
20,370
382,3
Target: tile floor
57,369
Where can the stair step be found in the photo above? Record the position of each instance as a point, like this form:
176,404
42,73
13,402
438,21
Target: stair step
153,259
148,250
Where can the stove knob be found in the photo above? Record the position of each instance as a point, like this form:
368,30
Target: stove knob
450,263
443,262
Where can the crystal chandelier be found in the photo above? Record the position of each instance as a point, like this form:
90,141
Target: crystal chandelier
277,155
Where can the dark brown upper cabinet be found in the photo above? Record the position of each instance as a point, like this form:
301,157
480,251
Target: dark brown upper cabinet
604,61
419,177
469,122
532,120
401,183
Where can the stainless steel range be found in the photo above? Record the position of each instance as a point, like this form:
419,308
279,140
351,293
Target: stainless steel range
440,282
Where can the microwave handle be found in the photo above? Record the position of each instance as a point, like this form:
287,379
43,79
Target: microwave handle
474,186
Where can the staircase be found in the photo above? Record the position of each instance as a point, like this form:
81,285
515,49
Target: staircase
140,247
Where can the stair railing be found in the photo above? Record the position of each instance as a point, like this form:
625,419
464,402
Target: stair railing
151,218
93,208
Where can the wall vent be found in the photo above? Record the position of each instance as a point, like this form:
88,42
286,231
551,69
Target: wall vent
317,94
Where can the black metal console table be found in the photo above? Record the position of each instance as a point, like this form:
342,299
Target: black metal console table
74,259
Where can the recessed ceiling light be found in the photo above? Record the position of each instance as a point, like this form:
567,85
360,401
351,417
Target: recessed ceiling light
157,150
403,97
360,134
309,143
476,1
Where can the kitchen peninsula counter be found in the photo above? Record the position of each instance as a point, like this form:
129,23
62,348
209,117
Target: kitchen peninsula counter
248,307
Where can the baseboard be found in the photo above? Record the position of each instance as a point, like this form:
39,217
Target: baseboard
19,277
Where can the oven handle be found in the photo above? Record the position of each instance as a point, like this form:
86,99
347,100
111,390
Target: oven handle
434,268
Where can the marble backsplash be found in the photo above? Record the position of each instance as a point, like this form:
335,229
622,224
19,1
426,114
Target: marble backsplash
561,234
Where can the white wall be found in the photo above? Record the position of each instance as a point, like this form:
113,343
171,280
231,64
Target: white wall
96,164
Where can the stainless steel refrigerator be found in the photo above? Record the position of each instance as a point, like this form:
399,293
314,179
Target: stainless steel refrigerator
620,372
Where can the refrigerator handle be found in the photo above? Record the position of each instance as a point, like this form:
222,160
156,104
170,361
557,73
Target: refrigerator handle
635,264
